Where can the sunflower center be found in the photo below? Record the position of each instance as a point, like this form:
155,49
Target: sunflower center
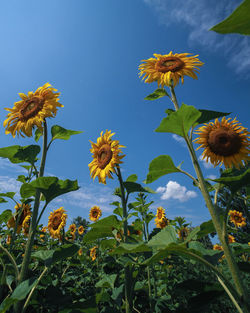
237,218
56,222
224,141
30,108
104,156
169,64
159,215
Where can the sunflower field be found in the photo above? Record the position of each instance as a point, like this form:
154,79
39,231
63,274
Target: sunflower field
136,259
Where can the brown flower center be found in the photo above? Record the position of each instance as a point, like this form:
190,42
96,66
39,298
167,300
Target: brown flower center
104,156
224,141
56,222
95,213
159,215
169,64
30,108
237,218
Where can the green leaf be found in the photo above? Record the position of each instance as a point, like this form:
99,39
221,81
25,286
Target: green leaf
244,266
135,187
109,222
207,115
166,236
107,243
237,22
132,178
51,187
38,134
125,248
27,191
179,122
234,183
18,154
158,93
160,166
201,231
97,233
8,195
212,256
107,281
58,132
5,216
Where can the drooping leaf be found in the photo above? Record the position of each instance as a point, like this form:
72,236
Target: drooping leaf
207,115
158,93
18,154
135,187
179,122
160,166
58,132
8,194
125,248
166,236
237,22
27,191
5,216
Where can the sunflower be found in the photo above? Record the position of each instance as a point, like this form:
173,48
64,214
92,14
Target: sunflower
93,253
161,223
106,156
32,110
95,213
26,225
169,68
8,241
231,239
224,142
80,252
57,221
81,230
236,218
160,214
72,228
25,211
44,229
183,233
219,247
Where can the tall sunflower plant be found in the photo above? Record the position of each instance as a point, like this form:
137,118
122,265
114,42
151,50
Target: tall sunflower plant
224,142
28,118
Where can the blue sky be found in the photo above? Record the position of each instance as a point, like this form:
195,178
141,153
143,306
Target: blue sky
90,51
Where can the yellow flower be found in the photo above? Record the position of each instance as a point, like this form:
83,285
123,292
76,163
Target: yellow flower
93,253
26,225
25,211
183,233
161,221
8,239
106,157
218,247
32,110
80,252
224,142
169,67
231,239
160,214
57,221
80,230
72,228
44,229
95,213
236,218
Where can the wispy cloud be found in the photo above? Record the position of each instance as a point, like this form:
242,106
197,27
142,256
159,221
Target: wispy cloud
198,17
212,176
179,139
8,183
206,164
174,190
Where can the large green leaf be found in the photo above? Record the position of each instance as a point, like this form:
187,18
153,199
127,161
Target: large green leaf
109,222
201,231
18,154
158,93
58,132
234,182
179,122
237,22
207,115
125,248
5,216
160,166
50,187
166,236
135,187
97,233
107,281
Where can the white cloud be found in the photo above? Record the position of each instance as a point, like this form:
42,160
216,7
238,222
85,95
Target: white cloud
5,164
173,190
8,183
179,139
206,164
198,17
212,176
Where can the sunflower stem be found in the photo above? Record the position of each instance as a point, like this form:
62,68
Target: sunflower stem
32,230
173,96
128,302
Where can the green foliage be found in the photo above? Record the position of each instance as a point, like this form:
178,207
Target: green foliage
179,122
58,132
207,115
158,93
237,22
18,154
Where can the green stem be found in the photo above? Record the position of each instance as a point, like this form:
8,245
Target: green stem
32,230
33,289
13,262
173,96
215,218
128,300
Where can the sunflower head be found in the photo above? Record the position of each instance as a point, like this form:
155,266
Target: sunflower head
105,157
57,221
23,210
231,239
80,252
93,253
72,228
95,213
162,223
26,225
217,247
8,241
183,233
224,142
81,230
169,68
32,110
236,218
